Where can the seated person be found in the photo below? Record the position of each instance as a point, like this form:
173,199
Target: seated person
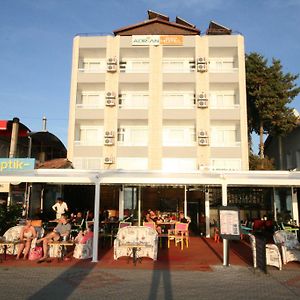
27,234
183,219
84,236
77,220
149,219
62,230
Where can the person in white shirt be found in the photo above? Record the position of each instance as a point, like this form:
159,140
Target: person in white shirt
60,207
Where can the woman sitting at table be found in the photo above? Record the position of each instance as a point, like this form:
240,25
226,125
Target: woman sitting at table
27,234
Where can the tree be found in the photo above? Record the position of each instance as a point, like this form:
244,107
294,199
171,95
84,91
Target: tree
269,91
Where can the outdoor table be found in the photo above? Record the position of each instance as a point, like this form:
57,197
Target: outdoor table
134,249
4,244
63,245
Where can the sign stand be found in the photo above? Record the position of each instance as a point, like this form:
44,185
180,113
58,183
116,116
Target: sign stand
229,220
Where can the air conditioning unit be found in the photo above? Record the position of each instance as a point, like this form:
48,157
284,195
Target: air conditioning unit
110,102
112,61
202,96
203,141
112,68
109,141
202,133
202,67
201,60
110,95
108,160
108,134
202,103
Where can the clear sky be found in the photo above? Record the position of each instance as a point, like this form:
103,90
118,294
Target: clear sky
36,43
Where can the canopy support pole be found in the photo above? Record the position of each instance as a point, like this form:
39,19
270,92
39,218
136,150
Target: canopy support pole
225,241
139,205
96,221
185,202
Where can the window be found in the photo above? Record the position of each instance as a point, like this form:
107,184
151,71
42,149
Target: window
298,158
225,136
179,164
289,161
223,99
87,163
175,100
134,65
92,65
90,135
91,100
179,136
175,65
222,65
133,136
132,163
225,164
136,100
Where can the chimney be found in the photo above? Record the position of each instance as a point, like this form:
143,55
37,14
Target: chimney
14,138
44,123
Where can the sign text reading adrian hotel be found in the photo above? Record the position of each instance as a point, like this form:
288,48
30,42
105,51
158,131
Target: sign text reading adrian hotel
156,40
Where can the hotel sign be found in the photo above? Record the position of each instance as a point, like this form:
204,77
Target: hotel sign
156,40
16,164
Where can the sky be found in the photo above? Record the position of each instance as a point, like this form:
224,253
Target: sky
36,44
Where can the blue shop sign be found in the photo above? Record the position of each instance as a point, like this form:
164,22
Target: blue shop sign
16,164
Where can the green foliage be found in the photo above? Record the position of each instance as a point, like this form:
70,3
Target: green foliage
9,216
257,163
269,91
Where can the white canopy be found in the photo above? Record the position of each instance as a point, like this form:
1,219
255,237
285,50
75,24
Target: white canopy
146,178
74,176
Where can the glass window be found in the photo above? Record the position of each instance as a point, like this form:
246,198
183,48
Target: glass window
134,100
91,99
179,136
224,136
225,164
90,135
179,164
133,136
173,100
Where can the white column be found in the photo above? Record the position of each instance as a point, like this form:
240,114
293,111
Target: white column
96,221
207,213
121,203
225,241
185,202
295,213
274,205
139,205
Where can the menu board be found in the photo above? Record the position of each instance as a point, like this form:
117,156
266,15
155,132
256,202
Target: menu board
229,222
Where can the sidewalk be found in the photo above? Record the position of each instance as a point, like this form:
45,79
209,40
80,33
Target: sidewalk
196,273
235,282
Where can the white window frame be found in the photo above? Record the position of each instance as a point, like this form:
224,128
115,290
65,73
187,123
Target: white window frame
126,136
168,65
179,164
224,130
101,100
188,100
134,100
189,136
220,65
129,65
132,163
87,163
85,65
82,135
217,99
226,164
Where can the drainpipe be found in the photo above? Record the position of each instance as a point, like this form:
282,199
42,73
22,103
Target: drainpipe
14,138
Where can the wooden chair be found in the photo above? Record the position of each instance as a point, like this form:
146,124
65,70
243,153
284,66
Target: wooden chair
150,225
179,234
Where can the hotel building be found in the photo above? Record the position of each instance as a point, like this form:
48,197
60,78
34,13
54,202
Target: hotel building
159,95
